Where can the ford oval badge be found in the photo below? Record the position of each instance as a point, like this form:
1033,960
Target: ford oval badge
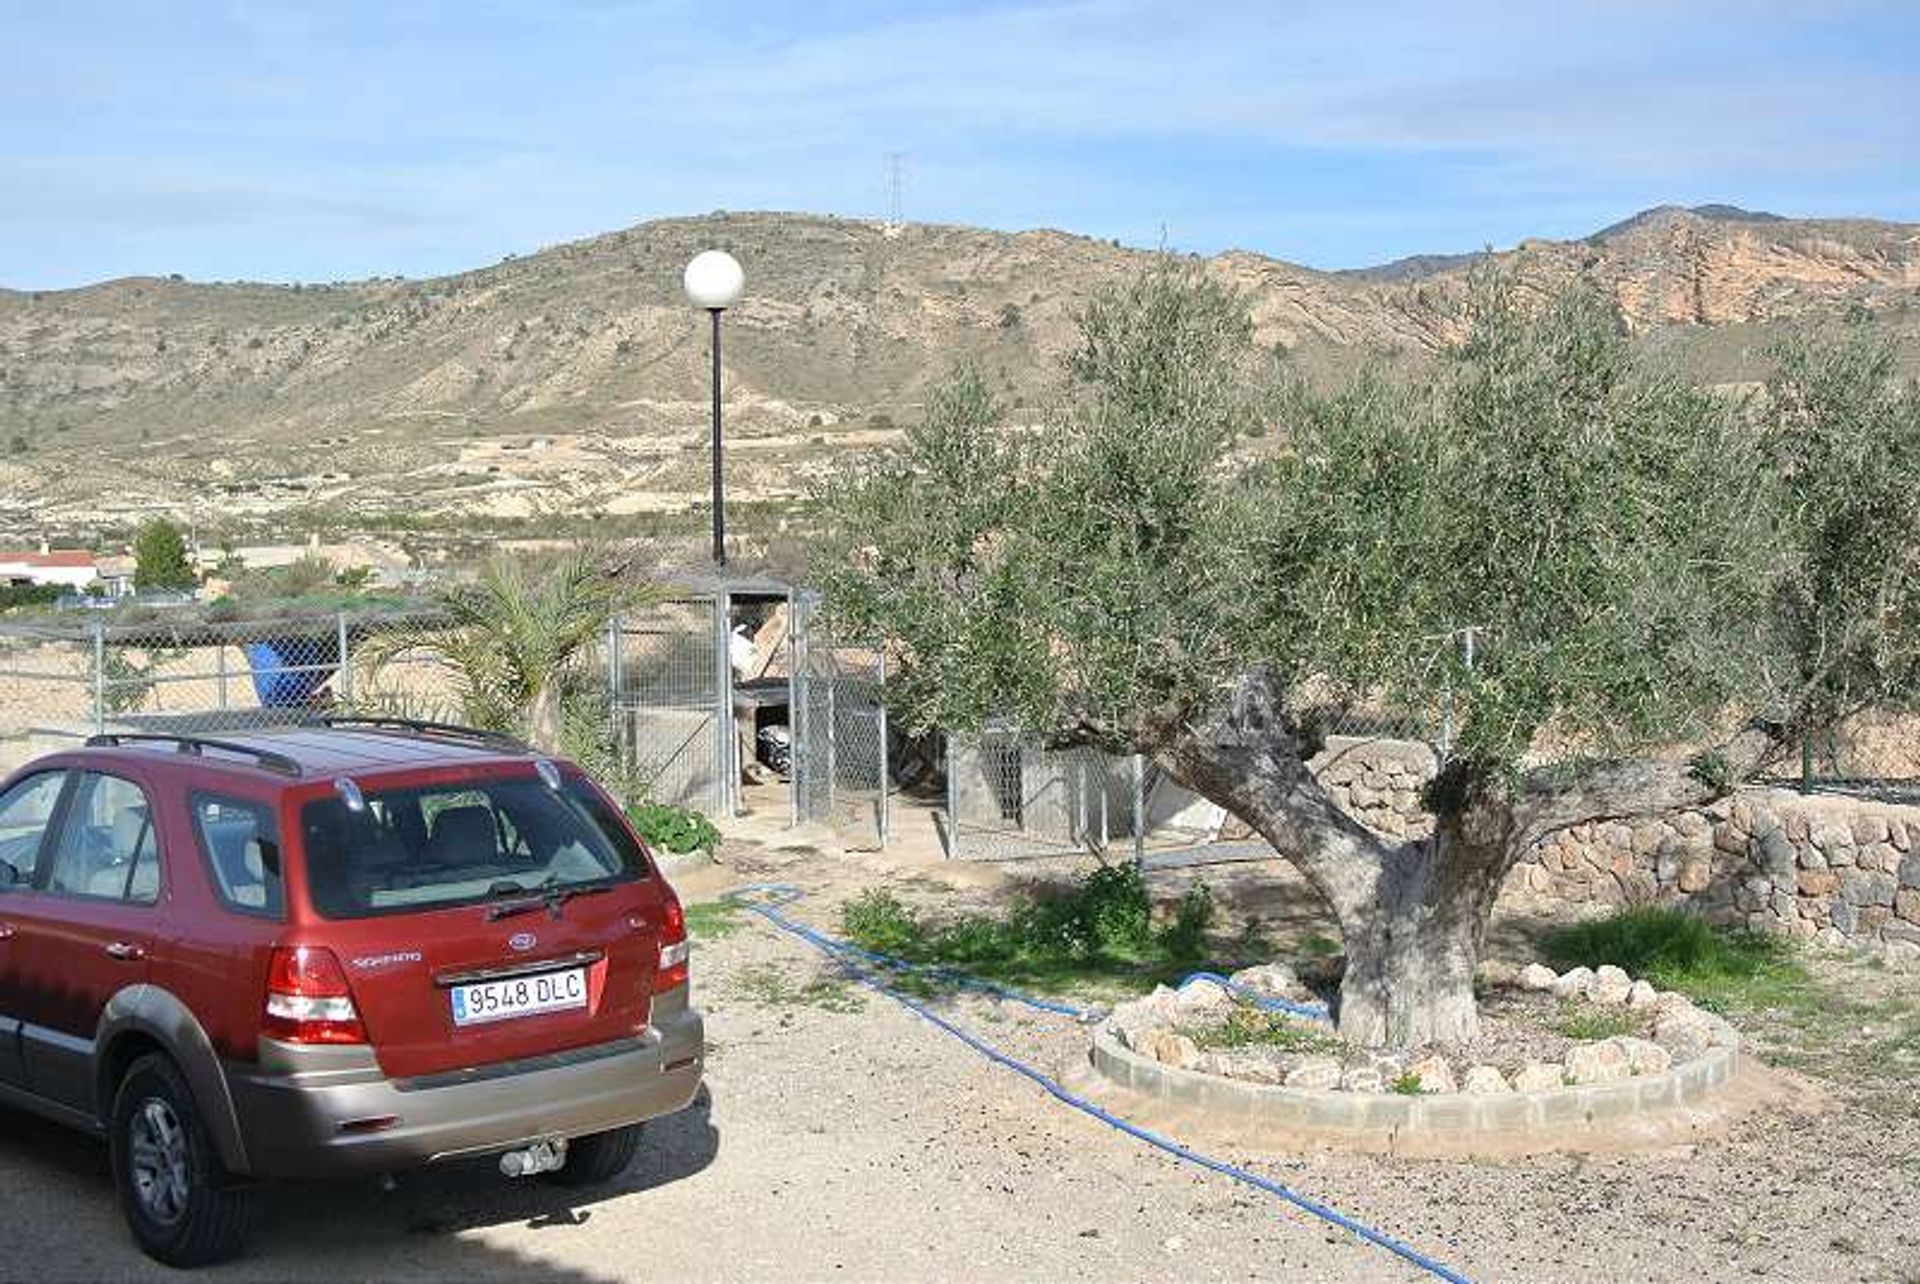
522,941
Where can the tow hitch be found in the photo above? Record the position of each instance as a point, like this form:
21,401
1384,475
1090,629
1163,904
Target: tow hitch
540,1157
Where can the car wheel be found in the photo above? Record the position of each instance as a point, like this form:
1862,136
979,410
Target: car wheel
600,1157
180,1204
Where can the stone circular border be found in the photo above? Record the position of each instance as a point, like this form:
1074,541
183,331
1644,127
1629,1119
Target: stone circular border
1450,1115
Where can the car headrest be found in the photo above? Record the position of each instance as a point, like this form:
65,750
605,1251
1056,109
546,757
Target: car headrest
465,830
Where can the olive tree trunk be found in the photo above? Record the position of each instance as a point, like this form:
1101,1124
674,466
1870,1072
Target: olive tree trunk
1413,913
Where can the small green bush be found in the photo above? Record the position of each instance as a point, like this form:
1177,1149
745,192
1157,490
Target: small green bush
878,921
1585,1021
1407,1085
1247,1026
674,829
1103,923
1680,951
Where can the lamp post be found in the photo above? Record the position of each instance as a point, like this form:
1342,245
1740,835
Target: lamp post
713,280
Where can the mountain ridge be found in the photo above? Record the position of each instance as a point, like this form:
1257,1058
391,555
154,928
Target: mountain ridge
574,380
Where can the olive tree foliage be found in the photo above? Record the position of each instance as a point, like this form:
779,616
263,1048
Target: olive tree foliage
1133,573
1844,437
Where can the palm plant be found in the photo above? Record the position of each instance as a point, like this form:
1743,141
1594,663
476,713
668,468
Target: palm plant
517,641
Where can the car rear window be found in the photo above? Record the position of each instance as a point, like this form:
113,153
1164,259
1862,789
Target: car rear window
459,844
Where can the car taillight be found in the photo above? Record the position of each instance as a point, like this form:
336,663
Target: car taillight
308,1000
675,949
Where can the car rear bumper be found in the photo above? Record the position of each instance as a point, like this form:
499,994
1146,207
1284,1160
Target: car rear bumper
329,1112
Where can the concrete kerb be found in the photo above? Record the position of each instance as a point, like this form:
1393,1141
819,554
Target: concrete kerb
1375,1121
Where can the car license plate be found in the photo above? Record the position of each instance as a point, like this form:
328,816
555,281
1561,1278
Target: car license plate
519,996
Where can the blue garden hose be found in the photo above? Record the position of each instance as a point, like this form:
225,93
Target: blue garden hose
766,899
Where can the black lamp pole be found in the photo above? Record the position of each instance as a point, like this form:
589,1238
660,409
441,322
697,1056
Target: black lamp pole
719,499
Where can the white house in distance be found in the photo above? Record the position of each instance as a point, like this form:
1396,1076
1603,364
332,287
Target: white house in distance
72,569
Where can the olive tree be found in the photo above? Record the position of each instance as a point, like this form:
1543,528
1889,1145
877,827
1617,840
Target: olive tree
1844,438
1138,574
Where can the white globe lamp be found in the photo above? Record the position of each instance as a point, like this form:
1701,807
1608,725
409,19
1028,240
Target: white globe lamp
713,280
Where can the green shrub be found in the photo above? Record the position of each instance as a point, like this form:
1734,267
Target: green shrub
1101,924
1247,1026
1680,951
674,829
877,920
1585,1021
29,595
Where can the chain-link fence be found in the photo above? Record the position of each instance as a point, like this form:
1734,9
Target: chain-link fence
61,680
840,770
671,700
1010,797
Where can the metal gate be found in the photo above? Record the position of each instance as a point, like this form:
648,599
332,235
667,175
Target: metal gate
670,679
839,731
1008,797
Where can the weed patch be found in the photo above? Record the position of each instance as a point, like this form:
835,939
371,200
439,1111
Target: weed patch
770,985
711,920
1586,1021
1102,928
1249,1027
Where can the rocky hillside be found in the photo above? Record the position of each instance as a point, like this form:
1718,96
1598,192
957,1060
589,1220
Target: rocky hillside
544,390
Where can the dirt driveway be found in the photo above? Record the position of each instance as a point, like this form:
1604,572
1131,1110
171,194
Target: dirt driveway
841,1138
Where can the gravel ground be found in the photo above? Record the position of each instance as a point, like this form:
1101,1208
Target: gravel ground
843,1138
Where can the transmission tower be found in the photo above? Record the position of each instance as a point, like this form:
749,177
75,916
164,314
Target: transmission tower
896,172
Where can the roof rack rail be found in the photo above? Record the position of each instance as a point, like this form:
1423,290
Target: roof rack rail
185,742
419,727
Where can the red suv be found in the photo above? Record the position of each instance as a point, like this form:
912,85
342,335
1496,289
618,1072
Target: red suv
333,950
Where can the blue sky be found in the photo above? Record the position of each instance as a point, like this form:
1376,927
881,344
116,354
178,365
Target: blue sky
325,140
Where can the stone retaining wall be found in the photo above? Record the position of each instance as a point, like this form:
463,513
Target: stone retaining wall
1839,871
1378,782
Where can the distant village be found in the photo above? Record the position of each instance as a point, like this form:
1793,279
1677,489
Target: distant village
89,578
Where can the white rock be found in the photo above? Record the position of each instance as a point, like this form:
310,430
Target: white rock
1573,984
1684,1035
1484,1080
1320,1074
1603,1062
1257,1067
1537,976
1204,996
1275,980
1169,1048
1641,995
1610,985
1434,1073
1540,1076
1642,1056
1363,1079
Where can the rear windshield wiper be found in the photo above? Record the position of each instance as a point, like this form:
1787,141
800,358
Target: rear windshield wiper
551,897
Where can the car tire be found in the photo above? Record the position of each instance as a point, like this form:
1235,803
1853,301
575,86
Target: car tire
600,1156
181,1205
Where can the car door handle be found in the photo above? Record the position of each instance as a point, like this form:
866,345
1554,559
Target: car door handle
6,931
126,951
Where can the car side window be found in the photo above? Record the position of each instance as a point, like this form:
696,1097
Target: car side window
240,841
107,848
25,812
